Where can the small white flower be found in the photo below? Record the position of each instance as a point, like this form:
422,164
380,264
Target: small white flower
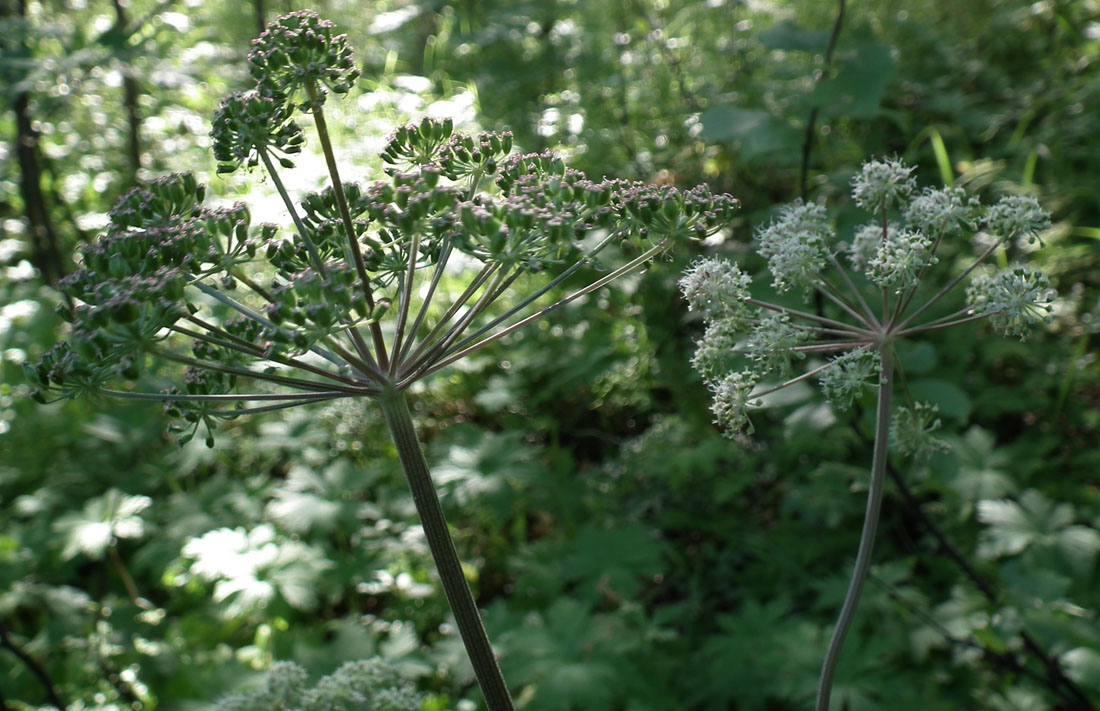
943,212
881,184
795,244
717,288
866,242
732,399
770,344
1015,298
1018,215
849,375
911,429
899,260
714,351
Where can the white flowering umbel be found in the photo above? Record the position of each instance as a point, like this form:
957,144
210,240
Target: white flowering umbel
865,307
367,684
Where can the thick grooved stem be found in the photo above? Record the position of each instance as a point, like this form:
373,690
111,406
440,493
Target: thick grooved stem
458,593
867,540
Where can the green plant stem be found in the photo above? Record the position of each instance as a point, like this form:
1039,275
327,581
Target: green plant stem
457,352
345,217
426,301
839,325
855,290
950,285
870,527
833,294
396,409
546,288
303,231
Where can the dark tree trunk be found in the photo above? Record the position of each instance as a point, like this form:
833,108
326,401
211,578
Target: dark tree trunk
130,93
46,253
261,15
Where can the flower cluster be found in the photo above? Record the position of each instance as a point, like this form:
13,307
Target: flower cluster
247,125
882,184
301,52
368,684
1015,299
844,345
351,302
912,429
796,245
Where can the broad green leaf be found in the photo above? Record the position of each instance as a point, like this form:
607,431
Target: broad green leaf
859,85
789,37
1034,519
982,467
1082,664
753,132
916,357
952,400
103,519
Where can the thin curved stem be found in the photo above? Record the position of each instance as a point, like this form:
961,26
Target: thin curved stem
839,325
303,231
458,352
35,668
461,599
566,273
870,528
345,217
950,285
833,294
425,303
855,290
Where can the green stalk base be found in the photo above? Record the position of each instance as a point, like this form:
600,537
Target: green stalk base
461,599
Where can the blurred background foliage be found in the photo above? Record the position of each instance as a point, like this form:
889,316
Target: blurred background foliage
628,558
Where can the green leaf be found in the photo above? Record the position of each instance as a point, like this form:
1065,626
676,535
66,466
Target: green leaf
952,400
1015,525
789,37
104,519
860,83
916,358
753,132
1083,666
981,472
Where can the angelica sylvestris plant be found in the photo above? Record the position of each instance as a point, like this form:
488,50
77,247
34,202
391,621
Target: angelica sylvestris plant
870,287
358,299
367,684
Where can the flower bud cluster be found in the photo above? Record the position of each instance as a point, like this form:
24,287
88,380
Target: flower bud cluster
463,155
849,376
900,260
301,52
302,309
1018,216
247,124
912,429
943,212
417,144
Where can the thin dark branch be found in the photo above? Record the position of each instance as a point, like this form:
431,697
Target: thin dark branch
1056,678
1005,660
811,122
36,669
